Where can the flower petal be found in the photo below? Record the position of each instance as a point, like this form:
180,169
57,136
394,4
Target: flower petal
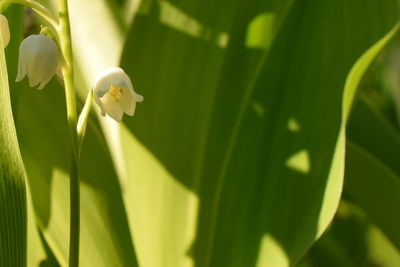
112,108
44,82
21,69
98,101
38,59
44,61
110,77
139,98
127,102
113,92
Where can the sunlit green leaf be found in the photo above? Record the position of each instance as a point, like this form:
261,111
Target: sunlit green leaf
236,156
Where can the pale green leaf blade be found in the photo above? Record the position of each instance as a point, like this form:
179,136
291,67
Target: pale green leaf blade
35,250
13,211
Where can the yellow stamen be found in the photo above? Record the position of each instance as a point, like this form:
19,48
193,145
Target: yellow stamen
115,92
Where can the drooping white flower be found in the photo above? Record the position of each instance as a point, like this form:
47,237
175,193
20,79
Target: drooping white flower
5,30
38,59
113,92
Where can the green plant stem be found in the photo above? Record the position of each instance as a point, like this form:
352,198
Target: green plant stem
68,73
38,8
74,214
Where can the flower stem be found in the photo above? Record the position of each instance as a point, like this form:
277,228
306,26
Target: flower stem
68,73
83,118
38,8
74,215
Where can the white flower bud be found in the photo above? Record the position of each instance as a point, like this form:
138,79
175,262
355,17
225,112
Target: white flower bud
113,92
38,58
5,31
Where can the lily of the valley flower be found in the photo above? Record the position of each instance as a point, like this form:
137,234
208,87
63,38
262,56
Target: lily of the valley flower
113,92
38,58
5,31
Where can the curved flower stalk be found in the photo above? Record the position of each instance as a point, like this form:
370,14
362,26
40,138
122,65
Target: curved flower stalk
40,9
38,59
5,30
113,92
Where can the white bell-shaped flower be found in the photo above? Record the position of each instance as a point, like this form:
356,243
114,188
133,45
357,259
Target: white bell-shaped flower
38,58
5,30
113,92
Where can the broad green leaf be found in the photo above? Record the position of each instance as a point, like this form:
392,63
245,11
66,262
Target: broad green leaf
36,253
13,211
376,143
236,156
375,188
